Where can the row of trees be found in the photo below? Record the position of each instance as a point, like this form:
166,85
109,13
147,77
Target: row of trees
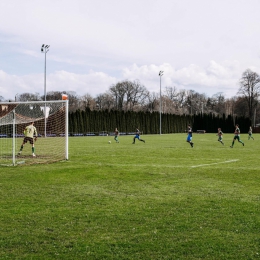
133,96
87,121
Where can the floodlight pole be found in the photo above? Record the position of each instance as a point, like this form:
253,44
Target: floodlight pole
45,49
160,74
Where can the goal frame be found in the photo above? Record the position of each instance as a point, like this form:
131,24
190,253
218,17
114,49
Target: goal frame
65,102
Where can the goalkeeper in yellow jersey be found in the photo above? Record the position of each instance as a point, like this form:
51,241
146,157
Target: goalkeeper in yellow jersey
30,135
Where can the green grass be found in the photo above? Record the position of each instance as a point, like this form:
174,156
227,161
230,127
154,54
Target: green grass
158,200
50,151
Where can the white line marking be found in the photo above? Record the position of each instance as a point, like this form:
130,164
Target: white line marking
137,165
201,165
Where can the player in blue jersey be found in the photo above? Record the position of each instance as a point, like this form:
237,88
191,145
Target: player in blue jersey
137,136
189,137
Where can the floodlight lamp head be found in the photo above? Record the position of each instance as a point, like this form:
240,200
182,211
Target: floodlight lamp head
160,73
42,45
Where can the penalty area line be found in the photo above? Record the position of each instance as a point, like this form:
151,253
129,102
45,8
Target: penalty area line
209,164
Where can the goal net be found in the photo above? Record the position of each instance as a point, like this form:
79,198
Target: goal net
51,121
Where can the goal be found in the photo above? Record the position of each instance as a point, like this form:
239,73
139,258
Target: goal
51,121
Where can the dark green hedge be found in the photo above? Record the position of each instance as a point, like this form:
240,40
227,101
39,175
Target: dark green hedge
149,123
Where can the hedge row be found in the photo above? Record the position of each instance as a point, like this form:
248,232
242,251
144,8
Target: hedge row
86,121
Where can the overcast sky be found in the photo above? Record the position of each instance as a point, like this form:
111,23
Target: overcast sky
201,45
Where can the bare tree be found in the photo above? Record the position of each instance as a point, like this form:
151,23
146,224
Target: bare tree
152,103
136,95
128,94
250,90
217,103
105,101
195,102
230,106
241,107
118,91
74,100
132,95
168,106
172,93
181,99
171,100
28,97
87,101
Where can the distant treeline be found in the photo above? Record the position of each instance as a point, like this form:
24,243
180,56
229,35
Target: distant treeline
87,121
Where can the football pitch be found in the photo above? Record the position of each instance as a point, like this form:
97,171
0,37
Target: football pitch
160,199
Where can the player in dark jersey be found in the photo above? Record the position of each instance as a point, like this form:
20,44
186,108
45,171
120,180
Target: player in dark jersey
237,136
220,134
189,137
116,135
137,136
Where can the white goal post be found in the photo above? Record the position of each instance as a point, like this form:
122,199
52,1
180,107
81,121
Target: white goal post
50,119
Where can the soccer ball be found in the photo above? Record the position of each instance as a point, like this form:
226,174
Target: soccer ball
109,142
